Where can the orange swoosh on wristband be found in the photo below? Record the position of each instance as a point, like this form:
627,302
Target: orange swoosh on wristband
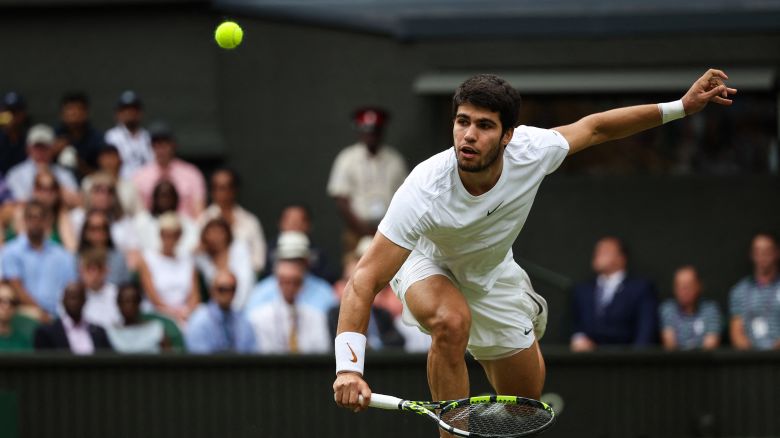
354,357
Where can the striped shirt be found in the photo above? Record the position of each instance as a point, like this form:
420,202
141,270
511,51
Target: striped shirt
690,329
759,308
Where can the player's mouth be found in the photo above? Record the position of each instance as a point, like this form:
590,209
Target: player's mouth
468,152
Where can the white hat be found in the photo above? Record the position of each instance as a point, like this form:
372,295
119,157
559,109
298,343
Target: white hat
169,222
40,134
292,245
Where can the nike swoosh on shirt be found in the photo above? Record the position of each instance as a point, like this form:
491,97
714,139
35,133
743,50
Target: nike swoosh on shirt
354,357
526,331
493,210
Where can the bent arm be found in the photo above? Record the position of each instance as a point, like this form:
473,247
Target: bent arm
374,270
624,122
737,333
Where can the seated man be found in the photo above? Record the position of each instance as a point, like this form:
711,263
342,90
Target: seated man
298,217
70,331
315,292
215,327
754,303
613,308
286,324
35,266
21,178
137,333
16,330
101,308
688,322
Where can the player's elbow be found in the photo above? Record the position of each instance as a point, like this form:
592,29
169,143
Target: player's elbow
365,284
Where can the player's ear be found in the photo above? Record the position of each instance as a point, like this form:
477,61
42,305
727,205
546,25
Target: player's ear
507,136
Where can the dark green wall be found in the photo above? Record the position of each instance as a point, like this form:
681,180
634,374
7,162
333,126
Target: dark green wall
277,110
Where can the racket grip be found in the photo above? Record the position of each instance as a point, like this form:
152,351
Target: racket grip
382,401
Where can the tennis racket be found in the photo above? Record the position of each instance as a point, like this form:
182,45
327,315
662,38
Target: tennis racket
490,416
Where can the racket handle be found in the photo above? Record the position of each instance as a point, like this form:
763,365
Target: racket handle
382,401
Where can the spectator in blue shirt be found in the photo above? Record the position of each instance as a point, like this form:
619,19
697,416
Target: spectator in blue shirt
215,327
687,321
36,267
315,291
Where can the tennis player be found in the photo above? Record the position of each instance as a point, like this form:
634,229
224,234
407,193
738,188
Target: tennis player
445,243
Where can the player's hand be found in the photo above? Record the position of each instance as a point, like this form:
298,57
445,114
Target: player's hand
348,389
708,88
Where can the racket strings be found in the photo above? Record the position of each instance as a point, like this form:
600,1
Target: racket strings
497,419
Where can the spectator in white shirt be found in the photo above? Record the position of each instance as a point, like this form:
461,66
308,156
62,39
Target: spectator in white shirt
101,308
245,226
129,137
110,162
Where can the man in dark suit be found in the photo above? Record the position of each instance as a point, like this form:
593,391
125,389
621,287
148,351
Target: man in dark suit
614,308
70,331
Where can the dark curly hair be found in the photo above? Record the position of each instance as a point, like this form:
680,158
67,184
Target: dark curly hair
491,92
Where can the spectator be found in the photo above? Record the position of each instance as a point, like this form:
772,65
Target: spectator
70,331
165,199
365,176
688,322
21,178
102,196
129,137
215,327
754,302
96,234
297,217
16,330
170,280
286,324
185,177
110,162
136,333
244,225
75,134
101,308
613,308
14,125
47,191
38,268
314,292
219,251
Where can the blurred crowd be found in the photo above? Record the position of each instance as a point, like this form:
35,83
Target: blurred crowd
111,241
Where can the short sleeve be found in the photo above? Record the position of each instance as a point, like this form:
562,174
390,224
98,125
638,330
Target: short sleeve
338,183
713,321
666,313
402,223
548,145
737,301
12,265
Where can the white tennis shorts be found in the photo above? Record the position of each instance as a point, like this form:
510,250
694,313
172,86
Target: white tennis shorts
504,320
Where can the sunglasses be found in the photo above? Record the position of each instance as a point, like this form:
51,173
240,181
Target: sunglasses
225,289
8,301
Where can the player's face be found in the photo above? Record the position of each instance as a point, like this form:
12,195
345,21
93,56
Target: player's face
478,139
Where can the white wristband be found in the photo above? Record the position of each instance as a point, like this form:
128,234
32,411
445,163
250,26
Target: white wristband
671,110
350,350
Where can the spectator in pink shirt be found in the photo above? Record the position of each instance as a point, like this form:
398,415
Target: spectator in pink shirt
187,179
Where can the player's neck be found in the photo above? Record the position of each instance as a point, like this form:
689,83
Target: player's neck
479,183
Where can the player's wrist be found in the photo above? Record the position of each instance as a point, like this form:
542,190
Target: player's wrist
350,348
671,110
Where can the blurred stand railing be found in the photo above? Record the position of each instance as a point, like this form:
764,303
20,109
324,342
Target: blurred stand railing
604,394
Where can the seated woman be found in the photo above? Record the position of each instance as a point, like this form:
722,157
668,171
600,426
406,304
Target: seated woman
169,279
95,233
219,251
46,189
102,196
16,330
165,199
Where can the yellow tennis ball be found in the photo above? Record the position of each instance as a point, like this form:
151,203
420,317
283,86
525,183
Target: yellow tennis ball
228,35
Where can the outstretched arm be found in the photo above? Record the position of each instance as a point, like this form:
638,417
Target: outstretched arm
374,270
623,122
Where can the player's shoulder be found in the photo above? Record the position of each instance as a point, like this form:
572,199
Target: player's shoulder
525,137
434,175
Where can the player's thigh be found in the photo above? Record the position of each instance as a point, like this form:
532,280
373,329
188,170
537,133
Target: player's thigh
520,374
437,304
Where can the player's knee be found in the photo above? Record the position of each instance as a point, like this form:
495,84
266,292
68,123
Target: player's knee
451,328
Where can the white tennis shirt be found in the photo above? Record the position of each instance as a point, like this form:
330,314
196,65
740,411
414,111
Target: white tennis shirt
472,236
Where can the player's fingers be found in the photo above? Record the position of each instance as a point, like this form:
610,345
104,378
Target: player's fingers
365,397
721,101
714,72
714,92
